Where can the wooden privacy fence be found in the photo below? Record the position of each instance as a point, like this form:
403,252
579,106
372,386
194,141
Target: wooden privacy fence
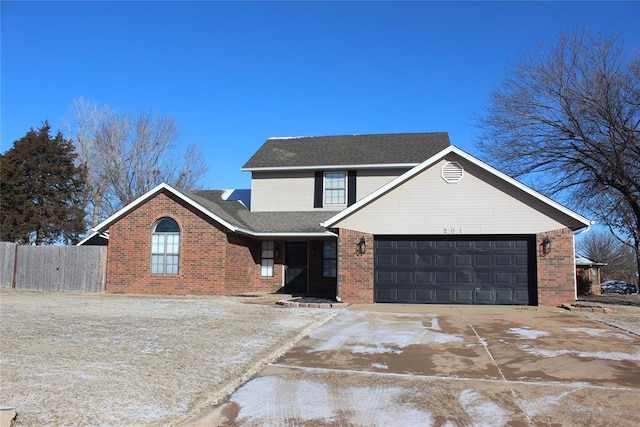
53,268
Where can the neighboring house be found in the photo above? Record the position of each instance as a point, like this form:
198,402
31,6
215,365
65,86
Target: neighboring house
404,218
589,269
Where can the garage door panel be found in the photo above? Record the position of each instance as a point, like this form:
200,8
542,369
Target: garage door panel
464,277
521,260
464,296
424,277
485,296
464,260
456,269
522,297
504,278
385,276
424,295
386,295
403,260
483,277
504,296
404,277
504,260
405,295
443,260
424,261
385,260
444,277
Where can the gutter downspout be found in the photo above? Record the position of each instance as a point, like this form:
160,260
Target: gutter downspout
338,268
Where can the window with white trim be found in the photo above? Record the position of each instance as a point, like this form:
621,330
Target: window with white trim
267,256
335,188
329,259
165,247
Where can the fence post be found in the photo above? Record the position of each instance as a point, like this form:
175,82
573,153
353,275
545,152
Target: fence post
15,266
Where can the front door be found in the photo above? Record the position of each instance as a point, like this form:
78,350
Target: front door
295,260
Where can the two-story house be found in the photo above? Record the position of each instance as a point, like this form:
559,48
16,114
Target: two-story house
365,218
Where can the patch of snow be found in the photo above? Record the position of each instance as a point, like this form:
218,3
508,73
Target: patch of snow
311,402
543,404
369,349
599,333
528,333
604,355
380,365
481,410
379,335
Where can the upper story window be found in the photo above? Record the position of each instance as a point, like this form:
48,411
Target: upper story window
335,188
165,247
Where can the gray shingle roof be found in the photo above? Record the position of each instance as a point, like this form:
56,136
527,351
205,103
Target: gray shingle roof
400,148
237,214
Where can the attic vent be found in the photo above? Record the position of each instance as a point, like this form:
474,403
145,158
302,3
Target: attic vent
452,172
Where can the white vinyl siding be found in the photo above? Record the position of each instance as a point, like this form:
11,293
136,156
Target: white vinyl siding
282,191
370,180
294,190
479,204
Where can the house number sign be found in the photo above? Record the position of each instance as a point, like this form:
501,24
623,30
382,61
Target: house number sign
452,230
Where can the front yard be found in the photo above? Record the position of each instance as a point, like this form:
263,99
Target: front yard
71,359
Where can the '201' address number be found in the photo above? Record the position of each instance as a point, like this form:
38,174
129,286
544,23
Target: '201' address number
452,230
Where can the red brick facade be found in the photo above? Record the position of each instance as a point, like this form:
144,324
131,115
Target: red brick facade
212,261
355,270
556,270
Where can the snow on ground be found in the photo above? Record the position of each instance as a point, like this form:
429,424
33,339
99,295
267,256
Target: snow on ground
383,335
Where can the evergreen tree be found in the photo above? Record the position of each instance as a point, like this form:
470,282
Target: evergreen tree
42,191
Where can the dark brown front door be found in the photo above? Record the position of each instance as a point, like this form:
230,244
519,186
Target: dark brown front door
295,260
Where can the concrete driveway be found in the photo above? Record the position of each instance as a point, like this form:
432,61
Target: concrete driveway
382,365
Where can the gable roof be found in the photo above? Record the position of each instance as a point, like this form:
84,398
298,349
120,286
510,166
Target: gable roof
437,157
231,214
379,150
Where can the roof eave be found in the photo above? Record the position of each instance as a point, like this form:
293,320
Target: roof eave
332,167
286,234
152,193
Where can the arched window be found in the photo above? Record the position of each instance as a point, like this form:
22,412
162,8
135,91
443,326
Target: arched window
165,247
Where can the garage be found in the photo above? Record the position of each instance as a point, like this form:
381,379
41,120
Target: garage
455,269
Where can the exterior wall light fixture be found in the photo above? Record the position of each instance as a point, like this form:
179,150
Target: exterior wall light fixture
546,246
362,246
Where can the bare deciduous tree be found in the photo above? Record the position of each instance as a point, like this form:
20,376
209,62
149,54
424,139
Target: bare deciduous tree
604,247
568,118
127,155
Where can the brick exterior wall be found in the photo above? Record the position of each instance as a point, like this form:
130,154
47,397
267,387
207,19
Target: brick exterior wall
556,270
355,270
216,262
212,261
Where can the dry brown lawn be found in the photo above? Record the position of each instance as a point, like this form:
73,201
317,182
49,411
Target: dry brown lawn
70,359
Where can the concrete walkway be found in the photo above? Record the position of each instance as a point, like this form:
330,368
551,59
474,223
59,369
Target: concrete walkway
382,365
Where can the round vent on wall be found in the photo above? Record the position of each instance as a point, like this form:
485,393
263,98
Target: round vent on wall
452,172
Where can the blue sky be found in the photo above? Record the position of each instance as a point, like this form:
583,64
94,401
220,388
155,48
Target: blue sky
233,74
